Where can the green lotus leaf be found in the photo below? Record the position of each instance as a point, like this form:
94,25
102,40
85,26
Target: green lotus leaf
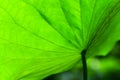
39,38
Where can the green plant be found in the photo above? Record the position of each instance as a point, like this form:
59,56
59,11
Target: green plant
43,37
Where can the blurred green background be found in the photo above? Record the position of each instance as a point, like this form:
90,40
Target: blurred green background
99,68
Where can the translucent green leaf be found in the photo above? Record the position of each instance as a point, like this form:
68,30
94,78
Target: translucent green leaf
39,38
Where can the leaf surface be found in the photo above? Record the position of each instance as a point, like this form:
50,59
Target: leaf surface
39,38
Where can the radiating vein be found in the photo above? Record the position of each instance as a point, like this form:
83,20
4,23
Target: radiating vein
33,32
69,23
104,23
90,23
94,32
49,22
82,26
50,68
13,43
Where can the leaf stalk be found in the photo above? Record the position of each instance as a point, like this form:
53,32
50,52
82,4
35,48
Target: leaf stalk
84,63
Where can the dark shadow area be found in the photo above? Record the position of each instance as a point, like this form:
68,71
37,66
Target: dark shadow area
108,68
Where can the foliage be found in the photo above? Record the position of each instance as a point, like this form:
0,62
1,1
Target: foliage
43,37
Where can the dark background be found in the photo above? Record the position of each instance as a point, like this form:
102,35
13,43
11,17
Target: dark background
99,68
